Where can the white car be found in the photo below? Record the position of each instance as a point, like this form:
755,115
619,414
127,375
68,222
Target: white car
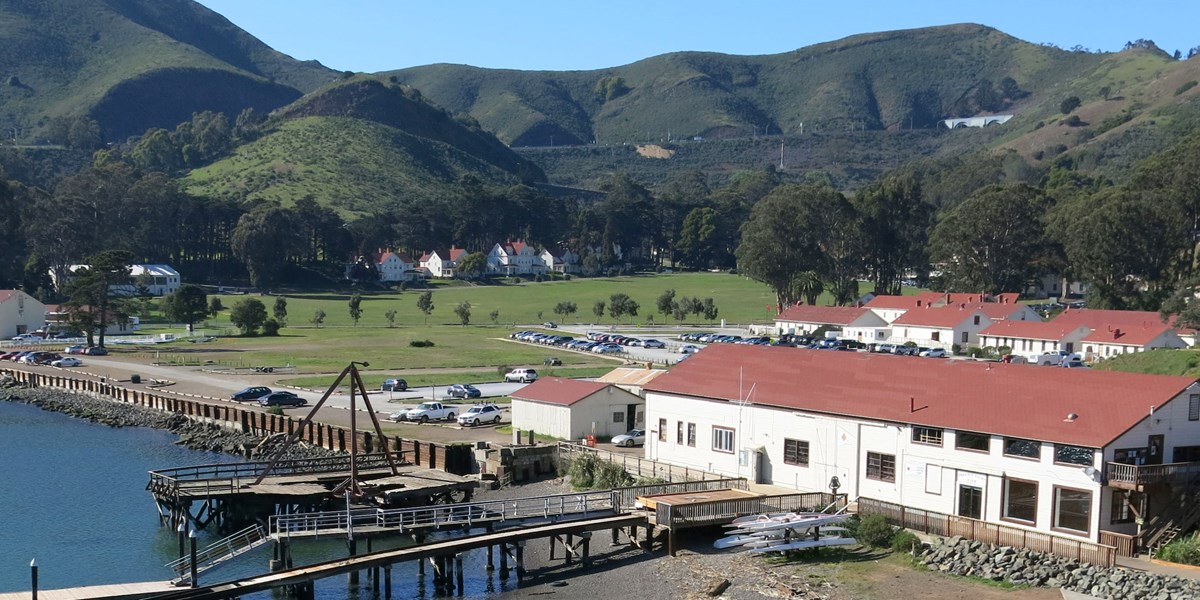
67,362
689,349
480,413
934,353
631,438
521,375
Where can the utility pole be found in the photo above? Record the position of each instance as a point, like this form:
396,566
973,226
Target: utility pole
780,156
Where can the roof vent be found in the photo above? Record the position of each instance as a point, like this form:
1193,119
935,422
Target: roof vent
1070,418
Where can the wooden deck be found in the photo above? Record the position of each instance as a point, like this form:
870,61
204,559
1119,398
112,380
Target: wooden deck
113,591
706,497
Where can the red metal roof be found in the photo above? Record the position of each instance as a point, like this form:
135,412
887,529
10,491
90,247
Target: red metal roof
997,311
944,317
559,390
6,294
832,315
894,302
1022,401
1101,319
1032,330
1127,336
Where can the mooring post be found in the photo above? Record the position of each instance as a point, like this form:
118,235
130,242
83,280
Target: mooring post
503,560
587,543
192,537
33,577
490,565
520,560
569,547
553,539
458,572
614,535
182,538
387,582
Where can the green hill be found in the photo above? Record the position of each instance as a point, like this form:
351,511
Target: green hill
361,146
889,80
135,64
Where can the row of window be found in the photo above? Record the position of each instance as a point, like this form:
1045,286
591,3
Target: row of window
685,434
1071,509
981,442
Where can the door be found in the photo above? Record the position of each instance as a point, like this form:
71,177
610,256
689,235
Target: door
631,416
1154,450
970,501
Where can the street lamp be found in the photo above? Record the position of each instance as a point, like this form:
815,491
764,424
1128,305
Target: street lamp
834,484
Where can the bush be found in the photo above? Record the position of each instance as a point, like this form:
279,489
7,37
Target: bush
1185,87
271,326
875,531
1073,121
275,410
904,541
587,471
502,370
1185,550
421,344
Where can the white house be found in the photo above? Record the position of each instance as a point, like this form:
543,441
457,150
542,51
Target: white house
20,313
442,263
571,409
1053,286
560,260
395,266
1121,331
160,280
1033,337
855,322
940,327
515,258
1053,450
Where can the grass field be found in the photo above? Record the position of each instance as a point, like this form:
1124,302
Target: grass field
1155,362
738,299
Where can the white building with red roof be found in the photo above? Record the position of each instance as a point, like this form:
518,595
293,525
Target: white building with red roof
20,313
940,327
570,409
1034,337
560,260
855,322
514,258
1116,332
1062,451
442,263
395,266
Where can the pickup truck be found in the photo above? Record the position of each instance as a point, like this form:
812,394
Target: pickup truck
431,411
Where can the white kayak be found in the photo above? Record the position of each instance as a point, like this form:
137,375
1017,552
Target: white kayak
803,544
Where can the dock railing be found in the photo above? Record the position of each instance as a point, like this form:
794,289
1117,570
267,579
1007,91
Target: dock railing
678,516
231,476
627,496
220,551
973,529
636,465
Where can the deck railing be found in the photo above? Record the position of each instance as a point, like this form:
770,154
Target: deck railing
677,516
1133,476
949,525
232,475
628,495
638,466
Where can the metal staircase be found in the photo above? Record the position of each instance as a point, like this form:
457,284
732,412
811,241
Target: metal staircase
218,552
1182,517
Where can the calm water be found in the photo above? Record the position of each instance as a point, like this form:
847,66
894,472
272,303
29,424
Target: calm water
72,495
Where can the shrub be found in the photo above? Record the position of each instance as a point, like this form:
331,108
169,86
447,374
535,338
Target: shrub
1185,550
271,326
905,541
275,410
956,349
1185,87
1069,104
1039,125
1073,121
1039,155
875,531
502,370
421,344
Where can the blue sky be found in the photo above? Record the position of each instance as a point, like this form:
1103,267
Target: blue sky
379,35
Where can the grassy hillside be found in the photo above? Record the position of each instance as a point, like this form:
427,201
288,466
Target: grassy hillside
91,57
355,165
874,81
1156,362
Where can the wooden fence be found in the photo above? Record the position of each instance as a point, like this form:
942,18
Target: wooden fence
974,529
457,458
723,511
636,465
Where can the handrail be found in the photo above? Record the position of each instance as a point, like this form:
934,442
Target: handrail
226,547
1144,474
445,515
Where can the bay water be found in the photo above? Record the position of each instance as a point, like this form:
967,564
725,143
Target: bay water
73,497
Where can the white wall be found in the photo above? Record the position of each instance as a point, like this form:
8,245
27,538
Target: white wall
926,476
21,313
546,419
575,421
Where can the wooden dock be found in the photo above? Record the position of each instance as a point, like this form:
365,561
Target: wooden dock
115,591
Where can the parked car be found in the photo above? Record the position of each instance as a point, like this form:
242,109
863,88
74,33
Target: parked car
607,349
26,338
633,437
431,411
689,349
463,390
1075,364
552,361
521,375
652,343
282,399
550,325
906,350
934,353
480,413
96,351
886,348
74,349
394,385
251,393
69,361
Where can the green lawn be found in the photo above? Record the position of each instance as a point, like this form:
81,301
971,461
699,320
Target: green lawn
1155,362
738,299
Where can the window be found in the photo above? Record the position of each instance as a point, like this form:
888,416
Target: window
679,432
1194,407
722,439
1072,509
795,452
1020,501
618,416
662,430
979,442
1022,448
976,319
970,502
691,439
881,466
927,435
966,337
937,336
1122,511
1073,455
1186,454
